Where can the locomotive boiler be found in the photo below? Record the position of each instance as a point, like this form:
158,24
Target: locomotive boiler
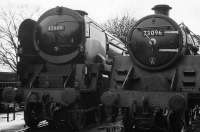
157,85
64,65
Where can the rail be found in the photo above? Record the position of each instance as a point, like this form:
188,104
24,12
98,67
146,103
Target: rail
113,127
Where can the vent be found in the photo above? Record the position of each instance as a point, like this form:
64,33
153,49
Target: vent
190,72
189,79
120,77
188,84
121,71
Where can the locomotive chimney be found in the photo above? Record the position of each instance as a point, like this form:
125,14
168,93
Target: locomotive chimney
162,9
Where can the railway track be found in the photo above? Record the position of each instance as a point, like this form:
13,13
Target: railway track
113,127
23,130
41,125
108,127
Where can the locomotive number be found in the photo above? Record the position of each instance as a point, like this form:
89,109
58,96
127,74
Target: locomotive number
56,28
153,33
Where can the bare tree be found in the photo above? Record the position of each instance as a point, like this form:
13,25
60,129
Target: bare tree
9,24
8,40
120,26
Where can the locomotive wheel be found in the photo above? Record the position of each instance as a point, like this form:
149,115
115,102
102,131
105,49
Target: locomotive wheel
98,115
31,114
175,121
79,120
128,121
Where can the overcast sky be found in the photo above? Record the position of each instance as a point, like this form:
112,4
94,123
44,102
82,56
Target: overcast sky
187,11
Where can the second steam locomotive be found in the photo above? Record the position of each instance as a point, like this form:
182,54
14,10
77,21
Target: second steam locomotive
157,85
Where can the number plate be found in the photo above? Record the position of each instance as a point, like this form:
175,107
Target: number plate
56,28
154,32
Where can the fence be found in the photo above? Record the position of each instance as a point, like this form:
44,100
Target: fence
4,84
8,109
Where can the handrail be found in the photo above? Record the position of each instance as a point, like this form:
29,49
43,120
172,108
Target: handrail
123,46
193,35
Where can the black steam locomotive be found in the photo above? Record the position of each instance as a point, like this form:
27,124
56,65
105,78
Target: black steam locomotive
64,67
157,85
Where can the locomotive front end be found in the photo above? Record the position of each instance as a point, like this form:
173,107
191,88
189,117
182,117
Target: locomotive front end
155,41
157,85
60,36
50,51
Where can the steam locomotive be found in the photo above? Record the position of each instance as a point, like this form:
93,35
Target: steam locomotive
64,65
157,85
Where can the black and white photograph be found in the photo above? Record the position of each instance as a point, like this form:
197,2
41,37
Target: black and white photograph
99,66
